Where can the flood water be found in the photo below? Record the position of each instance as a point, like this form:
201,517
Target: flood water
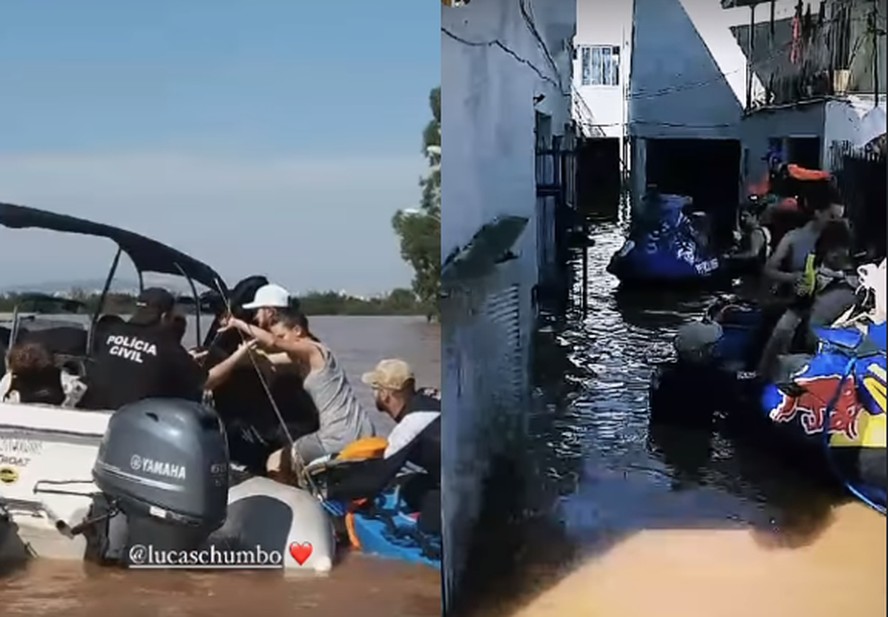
620,520
357,585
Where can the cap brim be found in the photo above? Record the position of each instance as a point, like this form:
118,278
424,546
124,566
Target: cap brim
258,305
371,378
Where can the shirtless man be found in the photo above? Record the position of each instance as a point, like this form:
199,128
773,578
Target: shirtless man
786,268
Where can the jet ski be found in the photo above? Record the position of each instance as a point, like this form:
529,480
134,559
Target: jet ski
666,246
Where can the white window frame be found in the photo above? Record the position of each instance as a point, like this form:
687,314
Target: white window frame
607,73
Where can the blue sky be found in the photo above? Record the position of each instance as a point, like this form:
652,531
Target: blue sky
265,136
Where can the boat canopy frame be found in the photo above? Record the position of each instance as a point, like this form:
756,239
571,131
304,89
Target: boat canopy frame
147,255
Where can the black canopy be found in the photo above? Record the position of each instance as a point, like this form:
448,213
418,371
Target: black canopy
147,255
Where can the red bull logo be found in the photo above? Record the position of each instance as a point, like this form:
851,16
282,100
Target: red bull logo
810,407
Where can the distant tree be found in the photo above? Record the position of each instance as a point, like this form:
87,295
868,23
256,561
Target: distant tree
419,229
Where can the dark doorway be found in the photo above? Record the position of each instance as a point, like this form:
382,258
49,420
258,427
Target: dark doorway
708,170
804,151
599,177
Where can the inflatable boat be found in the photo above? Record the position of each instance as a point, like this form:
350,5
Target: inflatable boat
841,387
666,248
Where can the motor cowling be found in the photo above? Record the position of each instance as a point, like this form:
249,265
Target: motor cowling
162,469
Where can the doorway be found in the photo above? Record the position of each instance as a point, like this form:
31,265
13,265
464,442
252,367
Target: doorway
707,170
599,177
804,151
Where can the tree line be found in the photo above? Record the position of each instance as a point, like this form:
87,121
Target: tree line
419,229
396,302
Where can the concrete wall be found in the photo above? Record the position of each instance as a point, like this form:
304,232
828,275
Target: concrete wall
803,121
488,170
604,22
833,120
844,121
688,73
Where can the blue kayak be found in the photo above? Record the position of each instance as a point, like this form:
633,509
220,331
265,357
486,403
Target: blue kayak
386,528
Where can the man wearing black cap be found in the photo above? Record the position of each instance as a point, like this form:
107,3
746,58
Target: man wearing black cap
142,358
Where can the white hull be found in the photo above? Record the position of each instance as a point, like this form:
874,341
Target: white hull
46,450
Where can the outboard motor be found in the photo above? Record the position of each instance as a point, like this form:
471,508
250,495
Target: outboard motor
162,470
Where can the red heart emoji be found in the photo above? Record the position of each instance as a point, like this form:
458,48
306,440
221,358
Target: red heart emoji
301,551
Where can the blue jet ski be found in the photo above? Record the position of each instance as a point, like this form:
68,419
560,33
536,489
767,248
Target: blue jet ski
666,247
841,385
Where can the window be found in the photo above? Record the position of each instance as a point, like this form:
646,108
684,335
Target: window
601,65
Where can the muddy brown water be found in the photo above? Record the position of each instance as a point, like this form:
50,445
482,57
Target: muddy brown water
358,584
620,519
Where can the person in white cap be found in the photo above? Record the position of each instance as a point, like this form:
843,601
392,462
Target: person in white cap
268,300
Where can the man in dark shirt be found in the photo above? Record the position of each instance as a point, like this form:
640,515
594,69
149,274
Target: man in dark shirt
142,358
417,412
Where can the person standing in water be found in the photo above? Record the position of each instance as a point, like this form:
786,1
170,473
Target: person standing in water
290,346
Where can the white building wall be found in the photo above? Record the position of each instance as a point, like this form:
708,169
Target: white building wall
488,170
603,22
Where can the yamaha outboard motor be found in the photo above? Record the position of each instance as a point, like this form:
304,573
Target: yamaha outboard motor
162,470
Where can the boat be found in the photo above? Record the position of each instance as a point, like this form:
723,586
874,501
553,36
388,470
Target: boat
78,484
387,526
666,247
840,386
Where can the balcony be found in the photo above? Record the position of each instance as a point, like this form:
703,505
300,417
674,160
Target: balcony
822,51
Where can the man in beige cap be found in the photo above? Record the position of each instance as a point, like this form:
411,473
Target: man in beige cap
417,434
417,413
394,388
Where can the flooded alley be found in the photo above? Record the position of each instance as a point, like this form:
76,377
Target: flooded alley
622,520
